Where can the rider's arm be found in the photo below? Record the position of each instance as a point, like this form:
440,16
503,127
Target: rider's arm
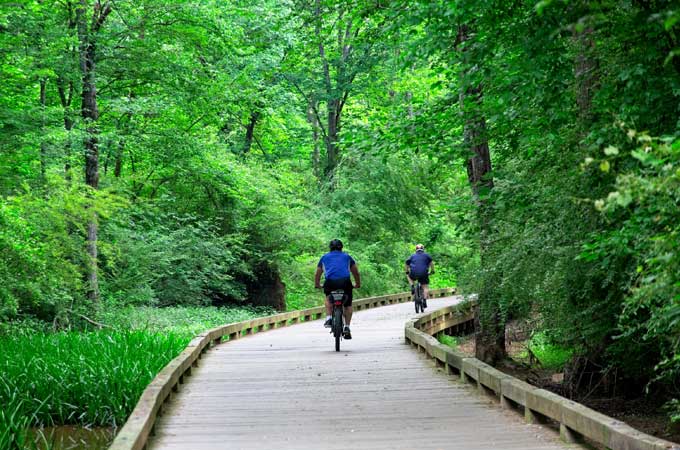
357,278
407,269
317,277
431,267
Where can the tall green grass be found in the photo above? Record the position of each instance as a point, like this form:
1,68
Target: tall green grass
82,378
96,377
15,418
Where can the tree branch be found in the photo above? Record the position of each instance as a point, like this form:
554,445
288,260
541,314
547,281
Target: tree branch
100,14
313,105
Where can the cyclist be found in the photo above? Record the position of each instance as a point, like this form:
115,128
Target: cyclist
418,267
337,266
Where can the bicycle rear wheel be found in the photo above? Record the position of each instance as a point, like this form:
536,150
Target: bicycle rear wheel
418,297
421,297
337,327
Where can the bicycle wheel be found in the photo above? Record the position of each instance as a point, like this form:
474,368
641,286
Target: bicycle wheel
337,327
417,297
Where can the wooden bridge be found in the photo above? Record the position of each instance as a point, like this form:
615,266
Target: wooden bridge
288,389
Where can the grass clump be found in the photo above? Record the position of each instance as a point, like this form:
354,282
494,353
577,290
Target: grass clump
549,355
451,341
15,419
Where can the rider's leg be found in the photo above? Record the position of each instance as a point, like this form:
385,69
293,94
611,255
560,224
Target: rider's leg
329,311
410,282
348,315
426,293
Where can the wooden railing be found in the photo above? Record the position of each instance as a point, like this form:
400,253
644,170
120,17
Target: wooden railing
134,434
575,421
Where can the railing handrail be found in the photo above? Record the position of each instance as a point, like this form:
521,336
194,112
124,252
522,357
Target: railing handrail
575,420
134,434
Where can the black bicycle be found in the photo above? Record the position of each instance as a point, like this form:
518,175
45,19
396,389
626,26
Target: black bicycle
337,298
418,297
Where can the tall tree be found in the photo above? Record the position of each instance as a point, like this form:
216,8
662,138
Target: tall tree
89,26
346,44
490,339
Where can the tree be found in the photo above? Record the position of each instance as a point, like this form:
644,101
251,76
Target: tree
346,45
88,29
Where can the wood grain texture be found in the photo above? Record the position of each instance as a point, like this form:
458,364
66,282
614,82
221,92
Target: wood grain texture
289,389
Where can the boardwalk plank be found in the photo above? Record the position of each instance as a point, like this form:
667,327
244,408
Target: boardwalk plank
288,389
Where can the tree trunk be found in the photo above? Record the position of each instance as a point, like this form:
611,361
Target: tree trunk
332,138
316,159
66,99
250,131
90,113
490,338
585,72
118,168
43,143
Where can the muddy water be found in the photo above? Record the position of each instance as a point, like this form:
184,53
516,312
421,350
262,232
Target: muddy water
73,438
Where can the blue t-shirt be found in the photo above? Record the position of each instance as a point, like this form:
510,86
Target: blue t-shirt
336,265
419,263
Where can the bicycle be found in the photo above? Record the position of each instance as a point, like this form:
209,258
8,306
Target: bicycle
337,298
418,297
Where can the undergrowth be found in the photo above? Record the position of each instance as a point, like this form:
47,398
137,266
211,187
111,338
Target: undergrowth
451,341
549,355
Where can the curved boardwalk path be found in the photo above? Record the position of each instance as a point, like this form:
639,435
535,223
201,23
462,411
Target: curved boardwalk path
289,389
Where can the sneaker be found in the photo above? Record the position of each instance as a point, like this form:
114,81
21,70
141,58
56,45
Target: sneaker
346,333
328,322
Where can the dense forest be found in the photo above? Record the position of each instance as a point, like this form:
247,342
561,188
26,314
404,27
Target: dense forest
181,159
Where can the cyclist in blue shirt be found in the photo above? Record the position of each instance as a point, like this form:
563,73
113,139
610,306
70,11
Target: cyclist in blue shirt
336,266
419,266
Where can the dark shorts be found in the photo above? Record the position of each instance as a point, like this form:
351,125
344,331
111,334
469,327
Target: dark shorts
423,278
343,283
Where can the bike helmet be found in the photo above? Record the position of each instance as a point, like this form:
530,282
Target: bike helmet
335,244
420,248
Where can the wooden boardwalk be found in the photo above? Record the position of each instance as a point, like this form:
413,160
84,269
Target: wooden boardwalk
289,389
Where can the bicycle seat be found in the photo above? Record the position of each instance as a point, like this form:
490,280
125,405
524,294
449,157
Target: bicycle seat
338,294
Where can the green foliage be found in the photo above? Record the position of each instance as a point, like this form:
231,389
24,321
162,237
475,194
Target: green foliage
39,241
643,204
169,260
549,355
